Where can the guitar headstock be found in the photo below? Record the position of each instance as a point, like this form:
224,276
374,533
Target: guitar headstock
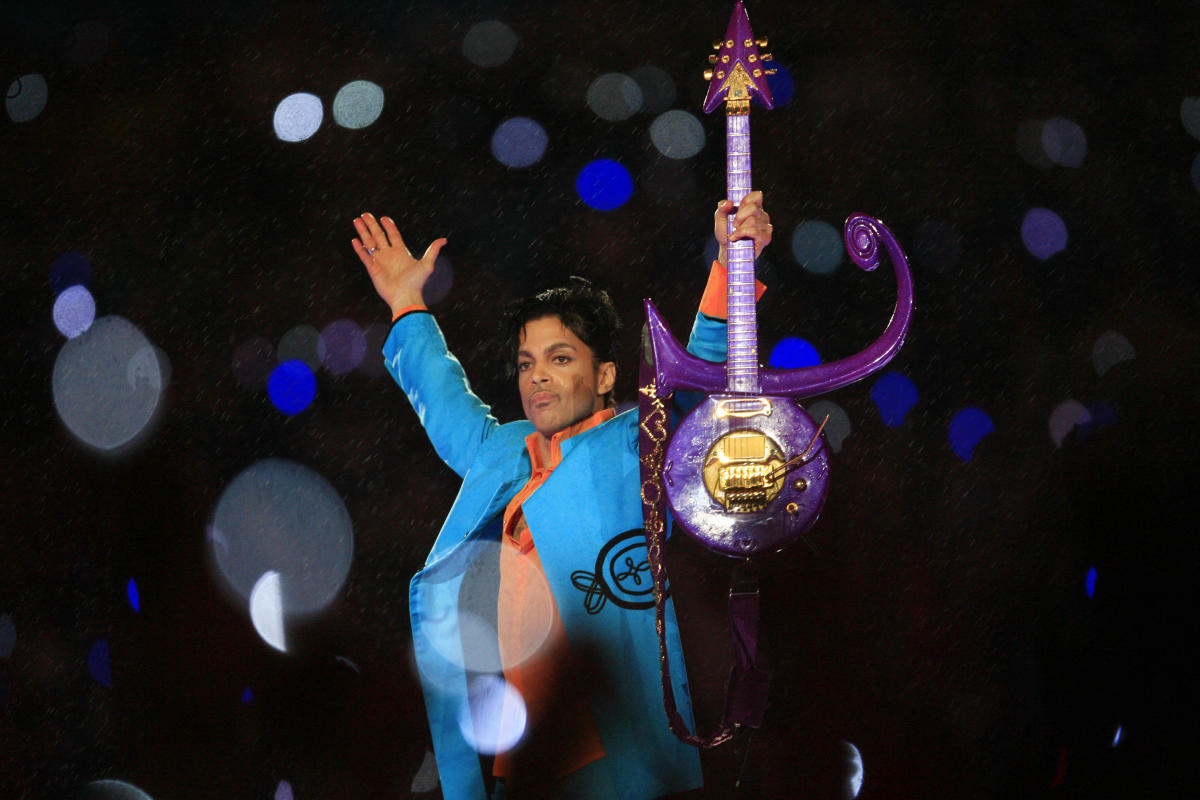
738,69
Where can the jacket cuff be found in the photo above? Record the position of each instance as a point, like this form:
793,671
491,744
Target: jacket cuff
712,302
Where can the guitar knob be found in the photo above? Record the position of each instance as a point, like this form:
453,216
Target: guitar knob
712,59
761,42
800,485
771,72
767,57
708,74
793,508
717,43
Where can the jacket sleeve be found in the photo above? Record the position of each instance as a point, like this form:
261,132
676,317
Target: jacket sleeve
455,419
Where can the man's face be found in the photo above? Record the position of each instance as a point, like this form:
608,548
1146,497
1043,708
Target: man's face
560,381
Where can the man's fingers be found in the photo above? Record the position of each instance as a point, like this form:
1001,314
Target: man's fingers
377,233
393,232
364,233
363,256
431,252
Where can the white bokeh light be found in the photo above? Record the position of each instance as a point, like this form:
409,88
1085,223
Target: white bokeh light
266,610
74,311
614,96
357,104
492,717
298,116
677,134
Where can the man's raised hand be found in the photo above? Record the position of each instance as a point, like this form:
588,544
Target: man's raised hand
750,222
398,276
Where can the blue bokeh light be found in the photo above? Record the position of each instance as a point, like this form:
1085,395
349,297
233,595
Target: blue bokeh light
817,246
1044,233
519,142
98,663
292,386
74,311
70,269
26,97
1089,583
604,184
967,428
131,591
792,352
247,695
782,84
894,395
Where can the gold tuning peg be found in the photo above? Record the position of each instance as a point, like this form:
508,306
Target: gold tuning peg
767,57
712,59
761,42
708,74
717,43
770,71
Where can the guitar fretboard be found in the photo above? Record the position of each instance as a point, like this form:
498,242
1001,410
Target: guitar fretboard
741,366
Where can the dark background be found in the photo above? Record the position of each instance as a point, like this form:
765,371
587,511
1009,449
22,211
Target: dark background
940,623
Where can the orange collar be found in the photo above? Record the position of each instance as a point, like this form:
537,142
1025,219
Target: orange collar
531,441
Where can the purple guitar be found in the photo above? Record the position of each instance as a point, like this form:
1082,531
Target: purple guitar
746,472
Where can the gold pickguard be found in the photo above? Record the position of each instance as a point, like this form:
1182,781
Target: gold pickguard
741,470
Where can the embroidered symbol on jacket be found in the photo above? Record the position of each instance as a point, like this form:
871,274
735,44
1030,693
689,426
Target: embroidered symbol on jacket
622,575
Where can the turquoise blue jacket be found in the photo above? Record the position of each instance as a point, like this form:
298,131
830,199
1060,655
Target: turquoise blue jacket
588,519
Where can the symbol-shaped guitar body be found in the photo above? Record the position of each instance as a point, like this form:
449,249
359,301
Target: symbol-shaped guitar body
746,471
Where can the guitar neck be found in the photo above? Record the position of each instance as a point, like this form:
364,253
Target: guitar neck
741,367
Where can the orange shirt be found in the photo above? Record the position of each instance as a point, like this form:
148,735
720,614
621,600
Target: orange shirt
534,649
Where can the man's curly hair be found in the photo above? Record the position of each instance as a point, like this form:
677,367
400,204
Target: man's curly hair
584,310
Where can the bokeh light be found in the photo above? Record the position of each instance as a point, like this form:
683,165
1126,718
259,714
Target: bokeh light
427,778
817,246
8,635
342,346
253,361
967,429
1110,349
1117,734
108,383
614,96
247,696
854,771
440,281
677,134
70,269
894,394
298,116
283,791
1044,233
292,386
266,610
131,592
357,104
86,43
278,515
26,97
375,335
489,43
936,246
1065,417
1089,582
838,428
519,142
1029,144
74,311
98,663
781,84
604,184
1189,115
492,719
1064,142
792,352
112,790
657,86
300,343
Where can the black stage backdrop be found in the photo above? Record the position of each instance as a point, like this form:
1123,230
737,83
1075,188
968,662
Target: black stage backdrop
998,600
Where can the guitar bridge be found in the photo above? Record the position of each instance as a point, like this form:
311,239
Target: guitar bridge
740,471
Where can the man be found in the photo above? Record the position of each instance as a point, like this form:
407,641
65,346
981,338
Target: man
545,540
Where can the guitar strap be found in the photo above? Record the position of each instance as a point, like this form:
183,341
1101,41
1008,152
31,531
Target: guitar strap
747,687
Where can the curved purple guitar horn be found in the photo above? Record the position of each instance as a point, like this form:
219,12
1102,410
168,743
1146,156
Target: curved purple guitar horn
676,369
